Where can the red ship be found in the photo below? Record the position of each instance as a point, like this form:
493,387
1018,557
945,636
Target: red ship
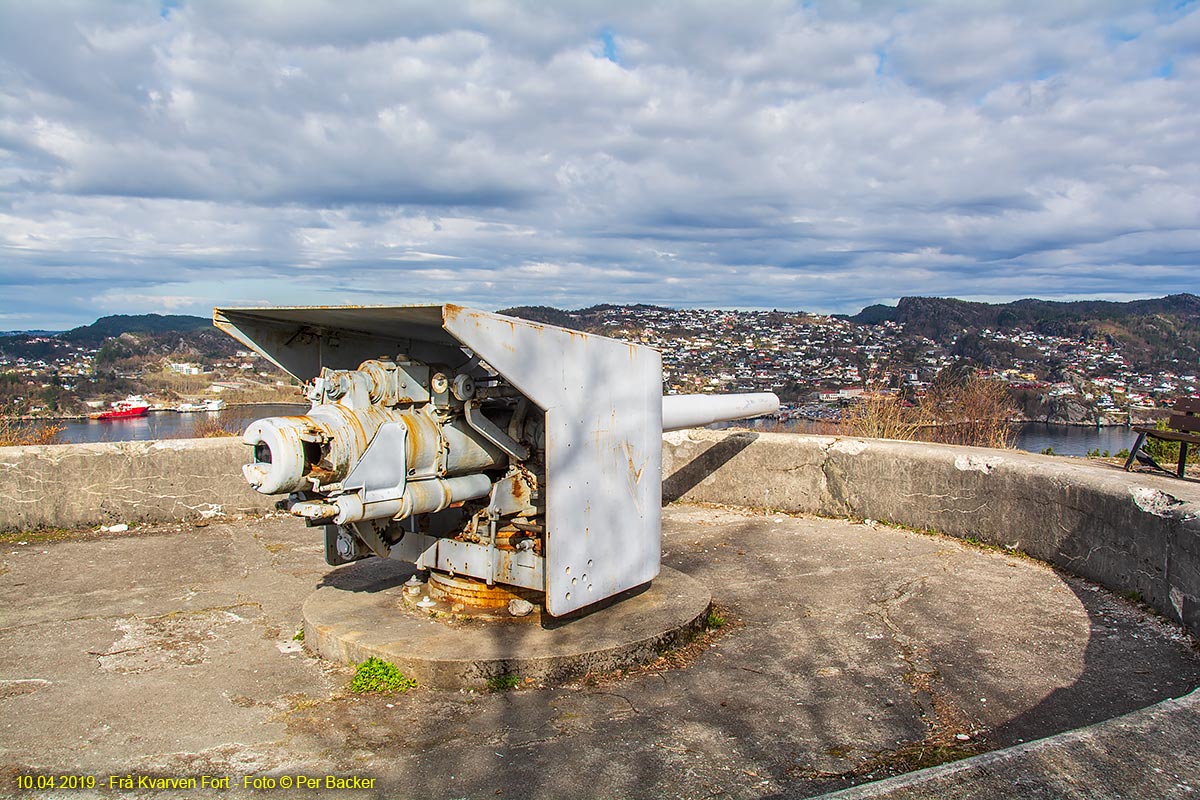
133,406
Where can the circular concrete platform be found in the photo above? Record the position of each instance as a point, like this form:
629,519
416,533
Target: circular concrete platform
362,613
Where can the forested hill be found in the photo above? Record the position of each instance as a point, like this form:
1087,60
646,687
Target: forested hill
121,337
107,327
1158,333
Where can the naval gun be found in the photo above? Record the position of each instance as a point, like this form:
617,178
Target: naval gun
508,458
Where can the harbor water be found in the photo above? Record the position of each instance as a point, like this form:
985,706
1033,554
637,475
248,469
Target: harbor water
171,424
1033,437
1067,440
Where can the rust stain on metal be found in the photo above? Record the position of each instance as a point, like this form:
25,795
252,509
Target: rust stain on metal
476,593
634,470
322,475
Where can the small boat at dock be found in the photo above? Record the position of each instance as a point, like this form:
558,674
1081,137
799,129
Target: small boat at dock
204,405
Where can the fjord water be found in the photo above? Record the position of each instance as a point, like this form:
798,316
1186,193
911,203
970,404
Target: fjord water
1074,440
1033,437
170,424
1068,440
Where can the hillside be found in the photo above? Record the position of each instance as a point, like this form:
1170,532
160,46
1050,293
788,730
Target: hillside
1073,361
111,358
585,319
1157,334
115,325
123,337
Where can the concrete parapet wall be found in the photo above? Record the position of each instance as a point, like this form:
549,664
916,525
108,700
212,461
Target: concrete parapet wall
84,485
1129,532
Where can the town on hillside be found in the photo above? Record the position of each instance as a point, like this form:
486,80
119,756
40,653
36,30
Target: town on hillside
175,363
1093,369
817,364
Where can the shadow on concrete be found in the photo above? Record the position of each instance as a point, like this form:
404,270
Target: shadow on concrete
1117,677
368,575
690,474
1161,472
552,623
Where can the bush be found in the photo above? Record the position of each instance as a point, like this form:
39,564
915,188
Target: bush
16,432
1167,453
881,416
968,410
209,427
230,422
377,675
957,409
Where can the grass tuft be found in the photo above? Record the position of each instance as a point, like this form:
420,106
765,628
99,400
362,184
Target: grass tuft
503,683
377,675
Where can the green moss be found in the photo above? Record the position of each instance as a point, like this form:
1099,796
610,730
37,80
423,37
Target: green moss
44,535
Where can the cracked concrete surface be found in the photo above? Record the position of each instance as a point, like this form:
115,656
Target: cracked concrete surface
77,485
853,651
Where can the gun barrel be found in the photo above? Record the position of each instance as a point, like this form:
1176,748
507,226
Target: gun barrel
682,411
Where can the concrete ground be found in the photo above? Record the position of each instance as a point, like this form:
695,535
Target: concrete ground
851,652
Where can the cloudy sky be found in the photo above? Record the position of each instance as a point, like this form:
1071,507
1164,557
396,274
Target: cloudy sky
169,157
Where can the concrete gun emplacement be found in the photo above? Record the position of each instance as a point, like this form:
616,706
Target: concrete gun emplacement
506,457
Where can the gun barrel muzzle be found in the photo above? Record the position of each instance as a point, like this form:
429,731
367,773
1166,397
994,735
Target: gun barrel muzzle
682,411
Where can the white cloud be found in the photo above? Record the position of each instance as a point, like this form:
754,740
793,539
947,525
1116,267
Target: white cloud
752,154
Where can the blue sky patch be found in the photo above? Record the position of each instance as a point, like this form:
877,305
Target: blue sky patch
609,45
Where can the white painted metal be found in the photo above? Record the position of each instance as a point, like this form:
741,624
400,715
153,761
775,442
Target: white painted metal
603,404
301,340
518,568
680,411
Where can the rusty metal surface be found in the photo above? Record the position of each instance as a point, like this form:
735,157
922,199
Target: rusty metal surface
475,593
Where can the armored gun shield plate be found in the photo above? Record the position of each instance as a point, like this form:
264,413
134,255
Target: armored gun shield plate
603,404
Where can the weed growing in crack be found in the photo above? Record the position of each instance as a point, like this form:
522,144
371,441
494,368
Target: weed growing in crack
503,683
377,675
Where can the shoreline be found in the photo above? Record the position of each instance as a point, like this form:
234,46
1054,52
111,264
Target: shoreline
1146,416
81,417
